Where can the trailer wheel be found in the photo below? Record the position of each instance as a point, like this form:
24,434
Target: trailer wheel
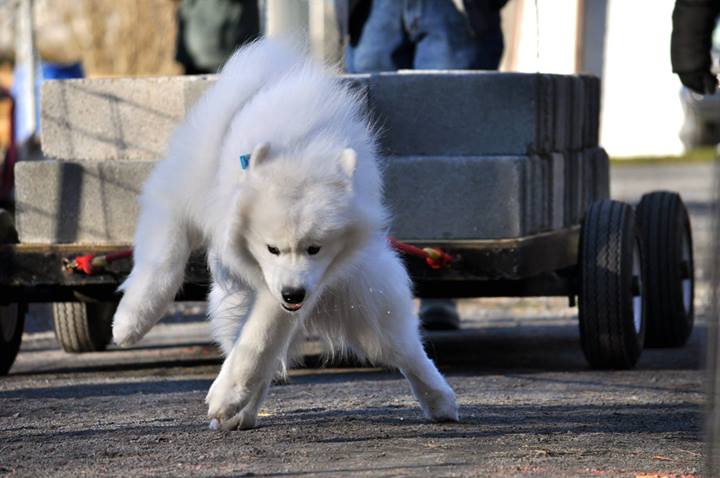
611,303
668,263
12,323
83,326
12,316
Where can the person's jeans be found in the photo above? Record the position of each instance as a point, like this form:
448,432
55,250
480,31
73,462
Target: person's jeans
422,34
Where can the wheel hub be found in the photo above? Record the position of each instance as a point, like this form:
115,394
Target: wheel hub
687,278
637,300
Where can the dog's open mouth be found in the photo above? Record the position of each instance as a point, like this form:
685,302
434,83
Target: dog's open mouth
292,307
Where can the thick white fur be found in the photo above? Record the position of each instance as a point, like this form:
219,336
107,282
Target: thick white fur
313,181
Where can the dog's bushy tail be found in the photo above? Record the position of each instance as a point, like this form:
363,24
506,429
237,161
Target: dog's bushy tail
171,212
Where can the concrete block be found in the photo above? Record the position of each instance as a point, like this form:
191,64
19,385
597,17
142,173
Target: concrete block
460,113
584,184
578,211
587,181
574,187
593,111
441,113
533,192
539,184
562,116
95,202
464,197
596,177
547,92
119,118
569,183
577,120
586,111
557,190
601,173
89,202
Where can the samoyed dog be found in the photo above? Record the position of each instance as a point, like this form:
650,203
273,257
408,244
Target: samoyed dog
274,172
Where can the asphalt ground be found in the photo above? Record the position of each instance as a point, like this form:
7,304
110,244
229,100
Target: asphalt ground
529,404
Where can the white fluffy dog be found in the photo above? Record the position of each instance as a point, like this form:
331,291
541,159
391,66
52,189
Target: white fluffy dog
295,232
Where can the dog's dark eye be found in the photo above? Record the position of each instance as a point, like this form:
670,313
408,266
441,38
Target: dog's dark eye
312,250
273,250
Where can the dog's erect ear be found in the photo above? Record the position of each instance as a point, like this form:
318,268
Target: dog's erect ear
348,161
259,154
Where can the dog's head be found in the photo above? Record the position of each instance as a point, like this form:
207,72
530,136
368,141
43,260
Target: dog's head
300,221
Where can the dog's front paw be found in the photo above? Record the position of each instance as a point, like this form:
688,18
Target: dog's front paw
244,420
125,330
442,408
226,401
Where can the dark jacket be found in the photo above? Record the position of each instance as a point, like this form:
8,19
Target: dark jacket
693,24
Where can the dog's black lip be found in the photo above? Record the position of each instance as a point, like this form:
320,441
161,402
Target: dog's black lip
291,310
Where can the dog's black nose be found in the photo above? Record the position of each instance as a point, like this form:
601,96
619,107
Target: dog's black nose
291,295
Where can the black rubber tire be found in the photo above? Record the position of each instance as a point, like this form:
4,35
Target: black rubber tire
664,226
609,243
12,323
83,326
12,316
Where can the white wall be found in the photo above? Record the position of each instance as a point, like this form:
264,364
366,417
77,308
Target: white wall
641,110
544,37
641,114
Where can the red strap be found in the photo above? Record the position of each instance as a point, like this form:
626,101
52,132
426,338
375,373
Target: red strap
116,256
91,263
434,256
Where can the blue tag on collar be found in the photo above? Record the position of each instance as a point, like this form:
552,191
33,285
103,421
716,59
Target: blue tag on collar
244,161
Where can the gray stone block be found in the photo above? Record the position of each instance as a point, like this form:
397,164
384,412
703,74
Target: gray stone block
591,180
534,192
601,173
95,202
540,184
442,113
460,113
574,187
593,111
465,197
557,190
579,189
577,119
546,93
562,116
119,118
569,188
89,202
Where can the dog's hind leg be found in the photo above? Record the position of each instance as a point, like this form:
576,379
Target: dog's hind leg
161,250
436,397
387,332
254,359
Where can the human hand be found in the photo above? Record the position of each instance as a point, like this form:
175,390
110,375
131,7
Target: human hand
702,82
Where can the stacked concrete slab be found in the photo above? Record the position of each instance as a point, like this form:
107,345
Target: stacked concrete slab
503,154
467,155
